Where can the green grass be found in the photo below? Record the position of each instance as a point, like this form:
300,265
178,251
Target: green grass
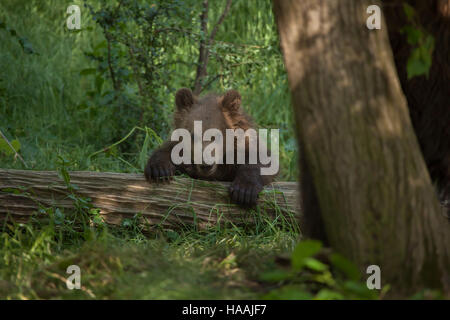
41,106
42,101
44,106
122,264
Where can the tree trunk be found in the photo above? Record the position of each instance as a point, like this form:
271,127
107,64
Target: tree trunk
365,169
182,202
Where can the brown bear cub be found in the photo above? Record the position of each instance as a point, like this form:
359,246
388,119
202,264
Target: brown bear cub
218,112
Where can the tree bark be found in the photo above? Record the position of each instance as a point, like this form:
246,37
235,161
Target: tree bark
368,184
182,202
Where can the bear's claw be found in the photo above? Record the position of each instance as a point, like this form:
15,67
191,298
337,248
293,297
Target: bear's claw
159,172
245,194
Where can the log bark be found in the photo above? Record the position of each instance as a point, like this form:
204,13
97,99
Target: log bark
182,202
367,187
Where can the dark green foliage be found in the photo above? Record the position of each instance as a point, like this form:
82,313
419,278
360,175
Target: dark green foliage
100,99
422,42
64,101
315,273
24,43
151,49
135,57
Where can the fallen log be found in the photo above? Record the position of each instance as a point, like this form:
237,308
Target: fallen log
184,201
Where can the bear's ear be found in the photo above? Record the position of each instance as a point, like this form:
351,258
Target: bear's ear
184,98
231,100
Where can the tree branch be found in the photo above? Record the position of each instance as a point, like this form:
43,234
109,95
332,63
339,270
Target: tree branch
205,43
219,22
116,84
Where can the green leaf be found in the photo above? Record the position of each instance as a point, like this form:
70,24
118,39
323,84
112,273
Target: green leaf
59,216
95,212
127,223
12,190
99,83
413,34
275,276
65,175
88,71
326,294
288,293
315,265
429,44
97,220
345,266
16,145
6,149
111,152
360,290
98,48
172,235
409,11
419,63
304,250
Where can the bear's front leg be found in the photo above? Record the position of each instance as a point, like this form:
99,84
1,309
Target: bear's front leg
246,185
160,167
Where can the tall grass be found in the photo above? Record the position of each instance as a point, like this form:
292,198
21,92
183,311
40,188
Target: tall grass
41,105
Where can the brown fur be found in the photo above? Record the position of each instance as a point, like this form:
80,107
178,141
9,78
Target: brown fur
215,111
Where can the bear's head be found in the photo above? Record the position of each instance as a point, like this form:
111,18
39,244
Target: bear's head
218,112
